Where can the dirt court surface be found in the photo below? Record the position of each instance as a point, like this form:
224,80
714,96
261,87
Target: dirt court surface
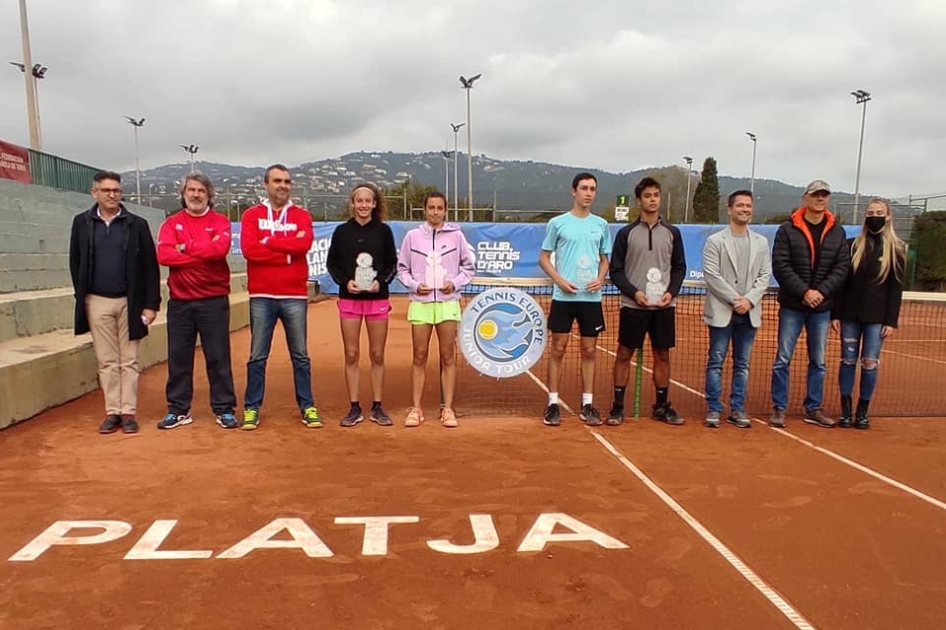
840,548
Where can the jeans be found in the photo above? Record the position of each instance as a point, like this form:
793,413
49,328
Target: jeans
741,333
209,318
790,323
859,341
263,315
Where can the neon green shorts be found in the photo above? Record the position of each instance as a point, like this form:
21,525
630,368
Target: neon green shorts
433,312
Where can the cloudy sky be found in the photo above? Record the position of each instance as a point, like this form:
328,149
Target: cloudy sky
610,84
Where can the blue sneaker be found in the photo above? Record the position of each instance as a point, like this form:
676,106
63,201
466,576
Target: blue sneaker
173,420
227,420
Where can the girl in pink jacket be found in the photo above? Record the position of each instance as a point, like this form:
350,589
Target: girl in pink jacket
435,263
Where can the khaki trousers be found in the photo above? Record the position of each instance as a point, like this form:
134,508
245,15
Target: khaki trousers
117,356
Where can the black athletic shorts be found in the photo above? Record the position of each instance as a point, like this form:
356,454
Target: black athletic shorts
589,315
660,324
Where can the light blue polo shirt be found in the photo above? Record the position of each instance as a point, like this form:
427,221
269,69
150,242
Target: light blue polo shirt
578,245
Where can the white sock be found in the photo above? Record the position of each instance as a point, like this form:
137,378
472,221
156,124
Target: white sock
586,399
553,398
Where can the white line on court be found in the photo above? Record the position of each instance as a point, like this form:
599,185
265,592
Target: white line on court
760,585
545,389
650,371
913,356
860,467
844,460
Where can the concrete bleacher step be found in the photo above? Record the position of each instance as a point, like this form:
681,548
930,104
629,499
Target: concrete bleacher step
30,313
43,364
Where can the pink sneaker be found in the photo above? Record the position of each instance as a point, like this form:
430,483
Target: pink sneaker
414,417
448,418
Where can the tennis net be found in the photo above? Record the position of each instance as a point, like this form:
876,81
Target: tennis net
910,381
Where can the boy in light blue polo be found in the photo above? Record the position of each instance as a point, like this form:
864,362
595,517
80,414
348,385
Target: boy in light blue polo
581,244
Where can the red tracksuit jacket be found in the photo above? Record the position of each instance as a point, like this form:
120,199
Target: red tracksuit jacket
276,265
201,270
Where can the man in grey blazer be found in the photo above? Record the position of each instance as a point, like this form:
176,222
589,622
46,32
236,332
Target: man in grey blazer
736,268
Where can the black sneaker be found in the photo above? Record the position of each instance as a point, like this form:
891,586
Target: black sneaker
615,416
590,416
112,423
353,417
552,416
129,423
379,417
666,413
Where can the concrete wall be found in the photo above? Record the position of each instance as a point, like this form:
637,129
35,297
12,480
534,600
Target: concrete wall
43,371
35,222
42,364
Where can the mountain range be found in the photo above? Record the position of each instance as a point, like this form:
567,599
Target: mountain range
517,188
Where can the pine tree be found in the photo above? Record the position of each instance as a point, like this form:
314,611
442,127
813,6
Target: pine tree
706,198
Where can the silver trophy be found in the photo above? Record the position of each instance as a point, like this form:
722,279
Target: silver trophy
656,286
364,271
586,273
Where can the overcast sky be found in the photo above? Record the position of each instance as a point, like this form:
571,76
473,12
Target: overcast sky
611,84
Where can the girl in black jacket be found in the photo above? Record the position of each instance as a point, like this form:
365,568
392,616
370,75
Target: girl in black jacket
868,308
361,260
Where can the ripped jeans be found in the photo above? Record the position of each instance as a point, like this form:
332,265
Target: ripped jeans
859,341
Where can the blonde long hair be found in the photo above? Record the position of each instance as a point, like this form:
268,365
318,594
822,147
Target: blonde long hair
893,252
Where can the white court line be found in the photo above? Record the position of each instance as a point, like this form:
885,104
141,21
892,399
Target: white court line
860,467
545,389
844,460
760,585
650,371
913,356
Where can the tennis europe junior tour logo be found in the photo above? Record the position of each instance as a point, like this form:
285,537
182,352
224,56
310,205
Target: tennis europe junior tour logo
503,332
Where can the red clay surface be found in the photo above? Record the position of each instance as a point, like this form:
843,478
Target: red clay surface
846,550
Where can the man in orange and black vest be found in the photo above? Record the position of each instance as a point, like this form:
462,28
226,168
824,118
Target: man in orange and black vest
810,261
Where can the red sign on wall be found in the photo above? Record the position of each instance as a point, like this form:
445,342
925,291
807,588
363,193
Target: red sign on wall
14,162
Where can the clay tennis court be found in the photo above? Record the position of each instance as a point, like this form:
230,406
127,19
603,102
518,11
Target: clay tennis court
802,528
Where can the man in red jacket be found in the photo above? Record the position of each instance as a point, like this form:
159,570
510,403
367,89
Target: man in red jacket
194,244
275,237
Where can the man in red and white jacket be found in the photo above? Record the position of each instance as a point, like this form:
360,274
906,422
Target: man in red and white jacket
194,244
275,237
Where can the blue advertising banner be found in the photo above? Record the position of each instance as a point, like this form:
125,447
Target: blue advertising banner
506,250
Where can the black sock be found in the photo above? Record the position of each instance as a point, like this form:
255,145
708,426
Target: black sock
356,405
375,404
661,396
619,396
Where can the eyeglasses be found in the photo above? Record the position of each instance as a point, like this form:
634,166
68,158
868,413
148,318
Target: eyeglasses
109,191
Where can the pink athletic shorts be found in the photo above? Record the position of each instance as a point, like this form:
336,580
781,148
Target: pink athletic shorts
371,310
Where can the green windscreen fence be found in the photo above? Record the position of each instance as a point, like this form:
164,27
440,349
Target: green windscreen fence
56,172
